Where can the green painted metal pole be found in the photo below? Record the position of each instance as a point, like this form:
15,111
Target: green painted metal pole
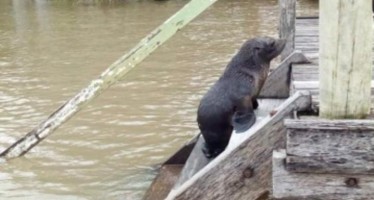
115,72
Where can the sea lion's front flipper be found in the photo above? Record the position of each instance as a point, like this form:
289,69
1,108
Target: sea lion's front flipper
243,121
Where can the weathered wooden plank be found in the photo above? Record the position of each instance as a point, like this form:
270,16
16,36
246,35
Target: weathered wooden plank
164,181
277,85
315,104
305,77
332,164
307,51
306,22
308,44
307,36
302,73
231,178
346,38
306,186
169,172
330,146
305,40
265,107
323,124
305,67
306,32
194,163
115,72
312,85
197,160
308,19
287,25
308,29
243,172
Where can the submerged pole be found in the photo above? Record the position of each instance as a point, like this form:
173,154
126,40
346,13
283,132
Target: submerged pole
345,65
115,72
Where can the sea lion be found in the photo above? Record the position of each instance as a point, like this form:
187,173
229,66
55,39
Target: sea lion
229,103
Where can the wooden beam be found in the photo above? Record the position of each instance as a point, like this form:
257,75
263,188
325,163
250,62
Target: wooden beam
169,172
333,125
197,160
277,85
115,72
265,107
305,186
167,176
345,62
244,171
287,25
194,163
312,86
330,146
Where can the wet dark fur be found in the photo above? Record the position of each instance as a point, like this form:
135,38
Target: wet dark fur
230,101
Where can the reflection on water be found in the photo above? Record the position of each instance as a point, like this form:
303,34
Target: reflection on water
49,50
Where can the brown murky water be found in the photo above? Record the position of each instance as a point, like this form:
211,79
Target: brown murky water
49,50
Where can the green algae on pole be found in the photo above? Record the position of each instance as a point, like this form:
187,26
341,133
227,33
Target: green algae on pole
115,72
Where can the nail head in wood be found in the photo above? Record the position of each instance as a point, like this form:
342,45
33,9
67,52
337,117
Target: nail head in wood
248,172
351,182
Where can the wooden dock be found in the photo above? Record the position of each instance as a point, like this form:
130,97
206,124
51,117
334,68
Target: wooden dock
245,171
327,159
306,76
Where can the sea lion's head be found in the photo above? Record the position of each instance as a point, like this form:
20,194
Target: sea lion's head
264,48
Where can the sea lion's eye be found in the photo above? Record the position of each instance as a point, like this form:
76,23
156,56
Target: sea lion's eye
257,48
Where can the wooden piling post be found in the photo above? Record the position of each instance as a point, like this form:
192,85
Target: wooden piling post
345,58
287,25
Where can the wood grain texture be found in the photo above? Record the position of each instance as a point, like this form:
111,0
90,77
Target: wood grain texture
330,146
277,85
306,186
324,124
164,181
287,25
265,107
306,76
303,81
243,172
169,172
194,163
346,42
197,160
